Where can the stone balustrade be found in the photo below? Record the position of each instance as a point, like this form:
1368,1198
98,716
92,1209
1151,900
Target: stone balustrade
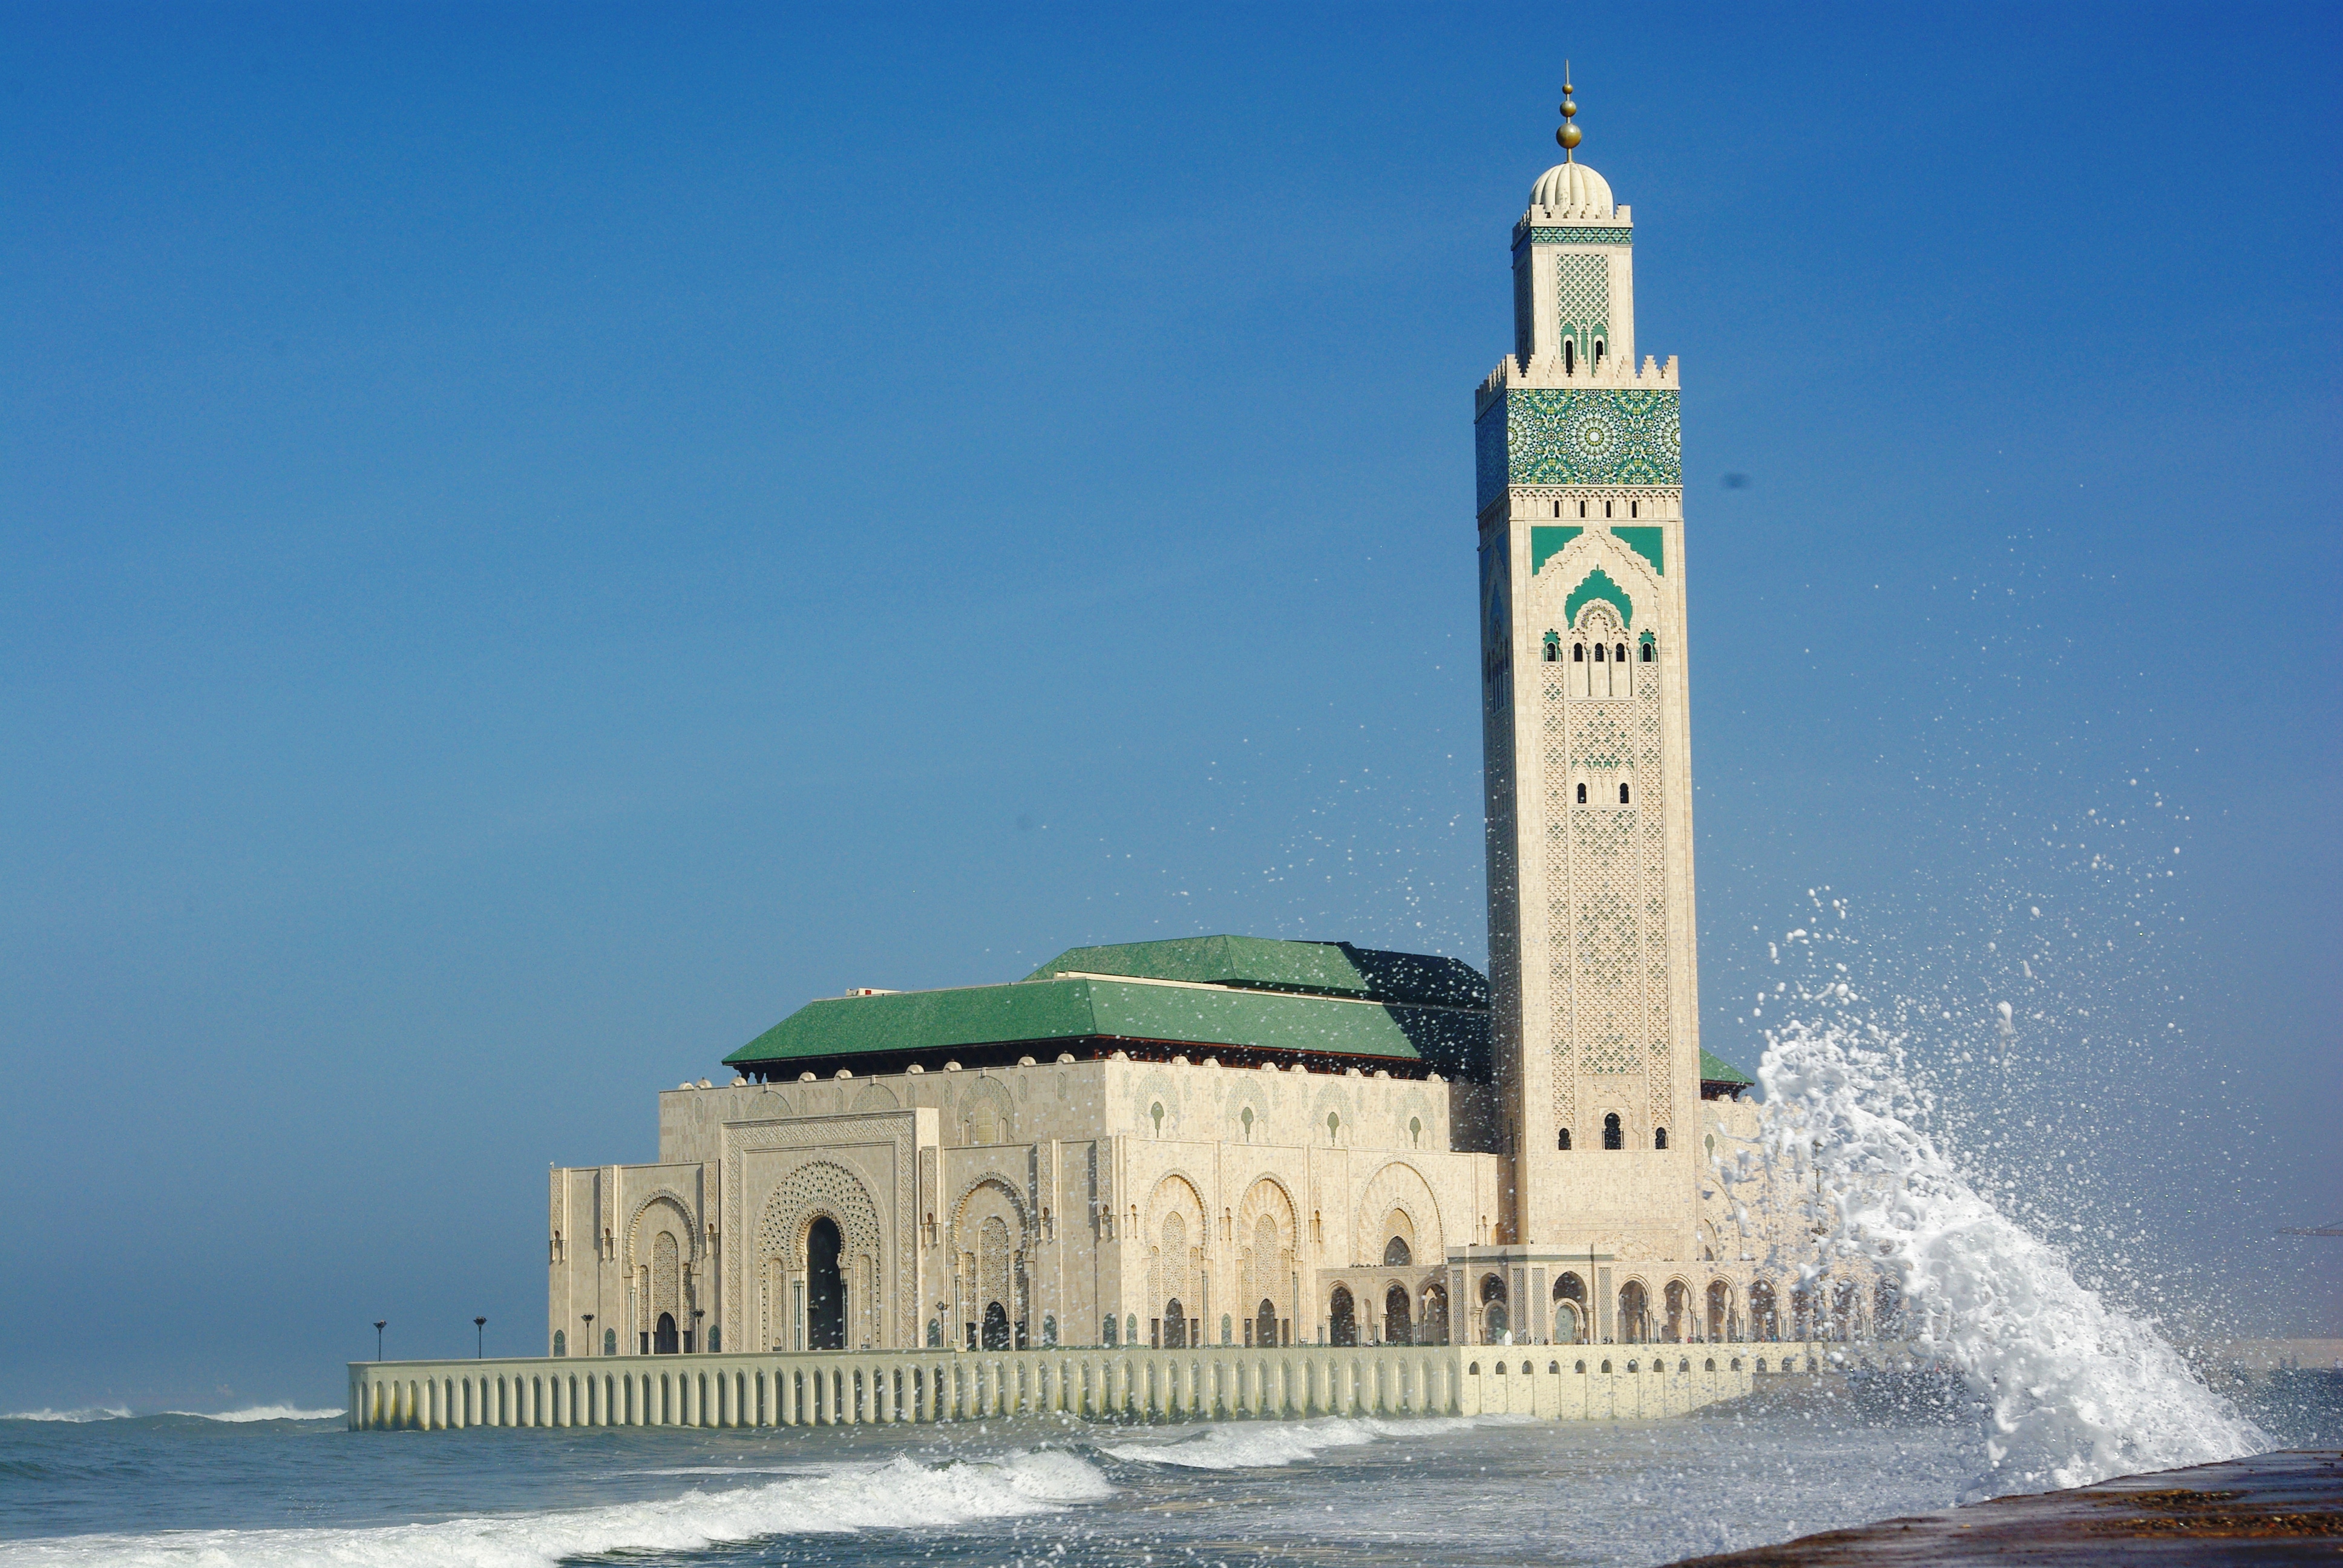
1561,1382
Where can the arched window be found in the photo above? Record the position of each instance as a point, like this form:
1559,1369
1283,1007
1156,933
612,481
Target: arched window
1568,357
609,1341
1606,509
1341,1318
1623,794
1659,1138
1552,650
1647,653
1396,1254
1598,351
1582,794
1581,508
1612,1136
1619,654
1598,653
1578,653
1397,1328
1110,1330
560,1343
1562,1141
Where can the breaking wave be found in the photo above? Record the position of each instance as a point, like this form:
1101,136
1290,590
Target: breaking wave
2076,1388
264,1413
96,1412
896,1495
1254,1445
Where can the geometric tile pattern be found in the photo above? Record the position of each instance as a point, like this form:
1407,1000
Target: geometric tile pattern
1568,435
1582,301
1607,236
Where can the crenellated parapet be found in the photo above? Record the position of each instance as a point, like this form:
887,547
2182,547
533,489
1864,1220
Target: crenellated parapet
1553,370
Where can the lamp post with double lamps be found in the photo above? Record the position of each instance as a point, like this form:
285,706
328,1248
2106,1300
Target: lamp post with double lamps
377,1337
479,1338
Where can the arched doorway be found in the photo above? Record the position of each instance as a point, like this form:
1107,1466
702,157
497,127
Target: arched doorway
1435,1316
1397,1330
1720,1310
665,1341
1175,1325
1679,1306
1493,1321
1341,1318
996,1326
1570,1311
1634,1313
1264,1324
1764,1318
824,1288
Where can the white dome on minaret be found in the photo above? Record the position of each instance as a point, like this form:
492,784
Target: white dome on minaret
1572,190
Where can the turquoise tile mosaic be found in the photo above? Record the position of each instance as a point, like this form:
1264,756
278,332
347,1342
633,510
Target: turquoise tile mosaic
1558,436
1604,235
1646,542
1597,584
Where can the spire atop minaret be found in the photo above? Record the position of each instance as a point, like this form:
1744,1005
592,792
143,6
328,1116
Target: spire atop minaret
1570,135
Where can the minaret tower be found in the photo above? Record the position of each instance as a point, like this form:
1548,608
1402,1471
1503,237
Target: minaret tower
1587,749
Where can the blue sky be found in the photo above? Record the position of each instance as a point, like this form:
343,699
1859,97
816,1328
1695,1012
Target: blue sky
533,541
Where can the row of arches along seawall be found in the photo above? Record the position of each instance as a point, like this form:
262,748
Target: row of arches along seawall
1561,1382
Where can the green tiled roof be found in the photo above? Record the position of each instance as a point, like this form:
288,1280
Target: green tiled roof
1716,1070
1326,968
1317,998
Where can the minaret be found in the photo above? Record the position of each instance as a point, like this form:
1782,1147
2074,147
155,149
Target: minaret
1587,745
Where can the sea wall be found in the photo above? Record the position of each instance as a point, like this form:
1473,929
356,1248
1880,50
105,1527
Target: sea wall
1558,1383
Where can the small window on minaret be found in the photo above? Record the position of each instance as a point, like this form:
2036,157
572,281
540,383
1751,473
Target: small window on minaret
1631,507
1581,508
1623,794
1606,509
1619,654
1647,653
1659,1138
1598,351
1582,794
1568,357
1613,1137
1578,653
1557,508
1564,1142
1598,653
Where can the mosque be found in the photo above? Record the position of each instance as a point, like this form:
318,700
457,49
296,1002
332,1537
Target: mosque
1238,1141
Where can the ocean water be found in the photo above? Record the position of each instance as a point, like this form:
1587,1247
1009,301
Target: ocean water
188,1490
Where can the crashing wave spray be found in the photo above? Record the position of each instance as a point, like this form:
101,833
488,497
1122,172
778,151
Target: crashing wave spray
2076,1389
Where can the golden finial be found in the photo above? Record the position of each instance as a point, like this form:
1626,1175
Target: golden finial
1570,135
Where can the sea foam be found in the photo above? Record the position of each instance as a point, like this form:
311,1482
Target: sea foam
1256,1444
897,1495
2076,1389
264,1413
96,1412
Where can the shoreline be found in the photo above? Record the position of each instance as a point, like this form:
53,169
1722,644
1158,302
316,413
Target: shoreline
2283,1506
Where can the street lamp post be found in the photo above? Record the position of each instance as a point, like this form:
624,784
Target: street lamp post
377,1337
479,1338
591,1348
698,1343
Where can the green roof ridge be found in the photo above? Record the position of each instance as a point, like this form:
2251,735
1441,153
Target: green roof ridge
1714,1069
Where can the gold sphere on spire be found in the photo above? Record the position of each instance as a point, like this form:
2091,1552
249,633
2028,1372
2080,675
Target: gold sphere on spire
1570,135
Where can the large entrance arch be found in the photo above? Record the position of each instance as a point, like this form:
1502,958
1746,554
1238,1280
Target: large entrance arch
1264,1324
665,1341
824,1288
996,1326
